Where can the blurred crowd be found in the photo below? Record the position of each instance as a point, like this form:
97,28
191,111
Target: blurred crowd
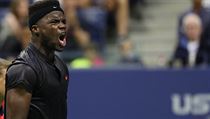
92,24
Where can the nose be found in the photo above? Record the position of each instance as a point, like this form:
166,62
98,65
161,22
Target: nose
62,25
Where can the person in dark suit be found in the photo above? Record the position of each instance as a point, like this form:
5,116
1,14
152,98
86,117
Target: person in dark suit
190,54
201,11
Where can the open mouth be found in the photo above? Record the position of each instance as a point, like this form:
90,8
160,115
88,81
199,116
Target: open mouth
62,36
62,39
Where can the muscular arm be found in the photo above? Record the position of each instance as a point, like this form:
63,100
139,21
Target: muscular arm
21,80
17,103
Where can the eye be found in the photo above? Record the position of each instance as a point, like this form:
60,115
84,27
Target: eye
53,21
64,21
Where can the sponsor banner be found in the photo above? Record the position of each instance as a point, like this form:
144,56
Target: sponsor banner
139,94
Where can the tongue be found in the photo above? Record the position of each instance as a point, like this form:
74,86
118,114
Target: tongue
62,42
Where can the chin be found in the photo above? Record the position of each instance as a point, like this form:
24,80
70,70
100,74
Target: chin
60,49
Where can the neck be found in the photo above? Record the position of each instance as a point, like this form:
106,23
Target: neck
194,40
49,54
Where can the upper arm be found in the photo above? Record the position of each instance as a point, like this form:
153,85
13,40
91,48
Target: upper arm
21,75
17,103
21,81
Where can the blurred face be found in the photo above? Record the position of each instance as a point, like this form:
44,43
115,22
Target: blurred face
126,48
193,30
52,31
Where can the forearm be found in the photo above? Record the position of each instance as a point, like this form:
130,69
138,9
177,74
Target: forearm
82,37
70,8
72,18
17,104
122,16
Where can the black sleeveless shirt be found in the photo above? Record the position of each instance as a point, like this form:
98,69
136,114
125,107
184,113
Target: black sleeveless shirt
46,80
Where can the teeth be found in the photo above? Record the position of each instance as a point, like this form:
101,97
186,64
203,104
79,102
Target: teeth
63,33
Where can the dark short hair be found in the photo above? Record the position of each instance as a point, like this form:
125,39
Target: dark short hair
40,8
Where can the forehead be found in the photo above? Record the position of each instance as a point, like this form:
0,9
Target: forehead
54,14
192,20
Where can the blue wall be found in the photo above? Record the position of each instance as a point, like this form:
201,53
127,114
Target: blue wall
139,94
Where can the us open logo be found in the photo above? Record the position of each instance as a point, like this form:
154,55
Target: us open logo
190,104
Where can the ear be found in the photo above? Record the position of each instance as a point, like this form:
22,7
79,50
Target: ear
35,29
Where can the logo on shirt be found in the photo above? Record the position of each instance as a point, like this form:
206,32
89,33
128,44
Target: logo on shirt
66,77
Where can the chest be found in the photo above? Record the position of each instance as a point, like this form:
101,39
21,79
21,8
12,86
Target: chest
53,82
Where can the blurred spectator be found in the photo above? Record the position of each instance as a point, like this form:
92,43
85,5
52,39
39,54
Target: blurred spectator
191,54
77,38
117,19
127,54
91,59
206,4
14,33
198,9
3,67
87,21
134,5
